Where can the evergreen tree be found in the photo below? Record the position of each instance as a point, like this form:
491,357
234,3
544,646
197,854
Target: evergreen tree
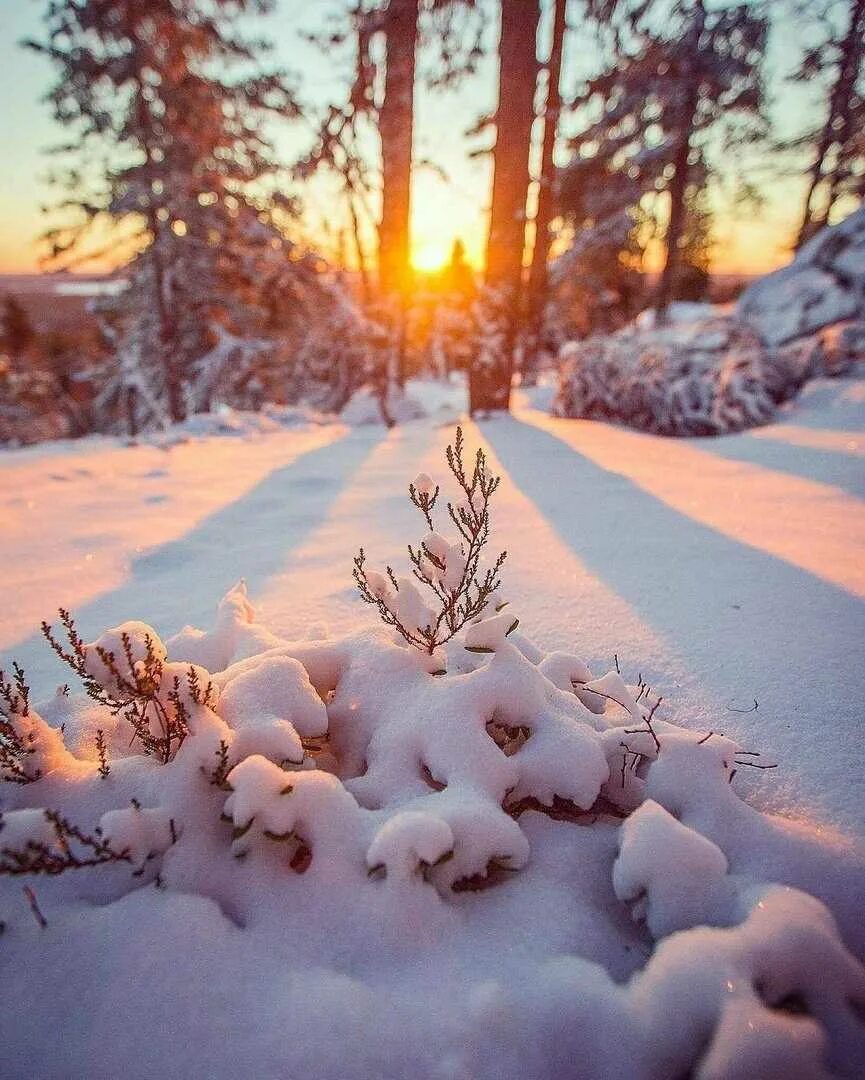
162,90
675,77
596,284
16,330
837,144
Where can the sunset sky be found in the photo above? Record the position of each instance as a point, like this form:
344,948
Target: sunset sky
450,195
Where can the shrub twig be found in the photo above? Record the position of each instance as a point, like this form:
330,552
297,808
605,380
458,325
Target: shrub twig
455,603
134,688
71,849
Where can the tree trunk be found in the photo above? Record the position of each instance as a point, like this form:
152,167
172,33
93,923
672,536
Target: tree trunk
491,372
167,334
396,124
675,229
679,183
539,274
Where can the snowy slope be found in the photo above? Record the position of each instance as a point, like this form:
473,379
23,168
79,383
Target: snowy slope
724,573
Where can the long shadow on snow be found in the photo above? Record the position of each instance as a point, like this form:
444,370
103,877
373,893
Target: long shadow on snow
721,604
680,574
837,469
819,406
183,580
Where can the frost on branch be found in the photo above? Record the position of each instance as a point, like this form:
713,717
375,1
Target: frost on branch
706,377
457,590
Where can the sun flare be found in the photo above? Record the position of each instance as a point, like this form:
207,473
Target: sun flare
430,258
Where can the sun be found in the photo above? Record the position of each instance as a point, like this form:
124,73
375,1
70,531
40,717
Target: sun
429,258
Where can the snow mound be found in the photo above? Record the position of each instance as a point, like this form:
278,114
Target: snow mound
347,809
824,284
239,423
709,371
364,407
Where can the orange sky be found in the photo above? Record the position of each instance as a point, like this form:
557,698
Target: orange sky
449,199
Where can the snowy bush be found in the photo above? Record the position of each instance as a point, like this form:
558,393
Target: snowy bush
704,377
706,372
356,786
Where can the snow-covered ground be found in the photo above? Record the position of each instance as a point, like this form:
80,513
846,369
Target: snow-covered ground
729,573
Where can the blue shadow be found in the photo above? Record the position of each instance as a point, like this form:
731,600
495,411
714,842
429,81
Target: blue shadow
839,470
749,624
183,580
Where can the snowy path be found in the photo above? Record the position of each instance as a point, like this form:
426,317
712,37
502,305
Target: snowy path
725,571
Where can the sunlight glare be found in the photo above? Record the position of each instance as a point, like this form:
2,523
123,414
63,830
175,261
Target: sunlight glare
428,258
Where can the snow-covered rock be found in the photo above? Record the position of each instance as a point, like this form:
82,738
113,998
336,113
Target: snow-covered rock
824,284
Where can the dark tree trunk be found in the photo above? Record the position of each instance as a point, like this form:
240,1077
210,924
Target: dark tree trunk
679,184
359,252
490,384
396,124
129,409
676,228
539,275
167,332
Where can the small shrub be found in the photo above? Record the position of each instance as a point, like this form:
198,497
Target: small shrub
457,588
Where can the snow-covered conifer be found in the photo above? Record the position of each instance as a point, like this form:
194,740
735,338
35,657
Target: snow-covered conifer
164,92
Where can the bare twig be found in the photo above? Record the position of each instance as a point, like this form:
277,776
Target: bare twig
72,849
102,751
34,907
133,688
754,708
456,603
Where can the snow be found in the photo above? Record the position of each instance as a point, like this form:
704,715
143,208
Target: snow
714,369
679,311
824,284
702,373
685,937
670,873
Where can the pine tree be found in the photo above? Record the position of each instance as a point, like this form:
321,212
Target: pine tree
16,329
837,144
670,82
150,87
596,283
